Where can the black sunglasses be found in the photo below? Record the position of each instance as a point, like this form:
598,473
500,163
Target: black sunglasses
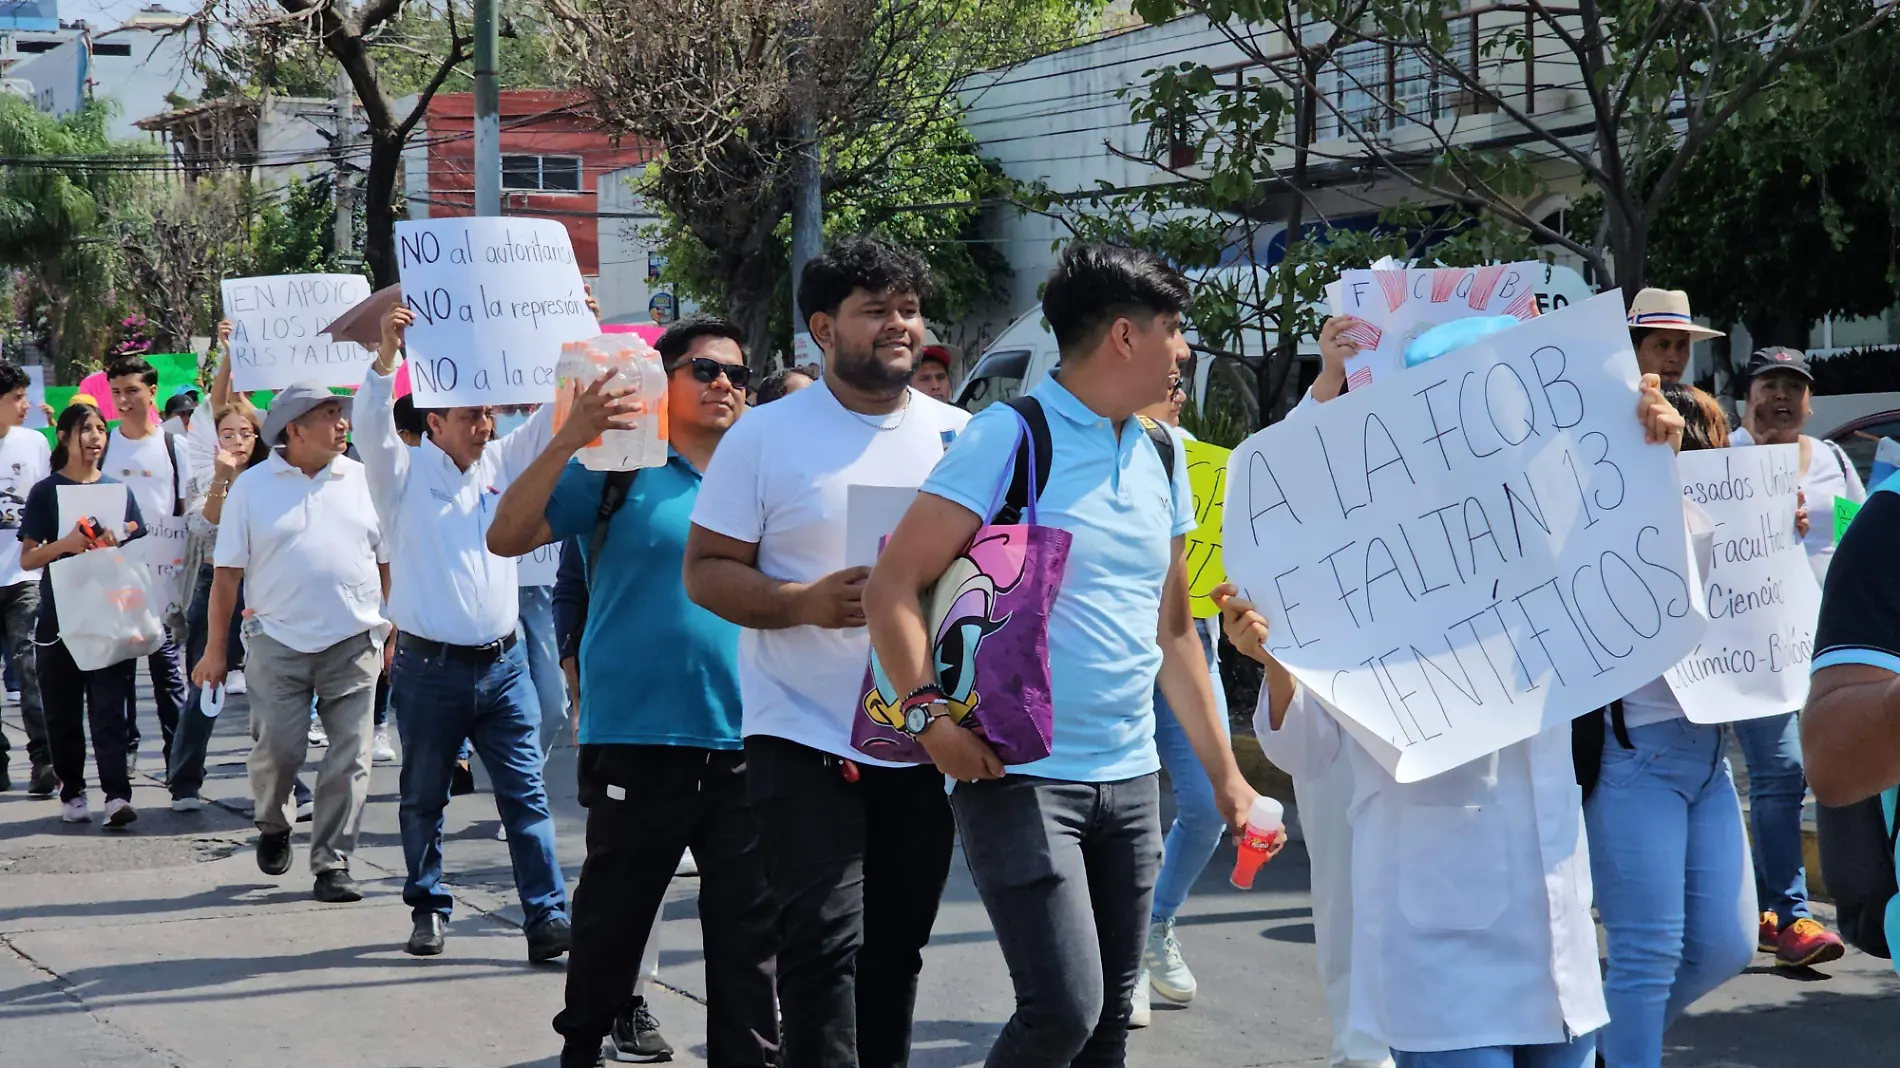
708,371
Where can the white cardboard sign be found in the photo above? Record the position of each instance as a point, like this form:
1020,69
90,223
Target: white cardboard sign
1398,304
1465,553
1763,600
277,325
494,299
539,568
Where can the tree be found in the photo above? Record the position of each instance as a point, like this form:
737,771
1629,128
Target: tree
1793,213
54,196
1645,85
352,37
177,242
711,83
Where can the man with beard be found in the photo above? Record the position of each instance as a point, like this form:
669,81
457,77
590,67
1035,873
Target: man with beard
857,849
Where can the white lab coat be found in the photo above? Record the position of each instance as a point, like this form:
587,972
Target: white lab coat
1470,891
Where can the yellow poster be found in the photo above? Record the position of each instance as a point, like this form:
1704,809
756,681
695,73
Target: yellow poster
1207,477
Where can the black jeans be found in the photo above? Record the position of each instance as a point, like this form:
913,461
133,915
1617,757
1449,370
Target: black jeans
185,757
1067,873
75,699
19,614
645,805
858,870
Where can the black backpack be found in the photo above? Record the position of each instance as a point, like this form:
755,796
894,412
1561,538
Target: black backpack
1858,862
1016,498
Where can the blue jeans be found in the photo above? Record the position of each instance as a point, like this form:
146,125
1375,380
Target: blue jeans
544,662
192,739
1198,824
1673,881
1576,1053
1777,785
439,701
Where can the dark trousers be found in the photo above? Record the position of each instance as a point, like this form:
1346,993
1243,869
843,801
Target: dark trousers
168,691
19,614
75,699
858,870
185,754
1066,871
646,804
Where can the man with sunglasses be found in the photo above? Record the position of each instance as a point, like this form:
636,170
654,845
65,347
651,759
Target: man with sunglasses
661,765
459,671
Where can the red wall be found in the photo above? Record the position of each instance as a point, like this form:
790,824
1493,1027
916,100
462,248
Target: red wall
533,122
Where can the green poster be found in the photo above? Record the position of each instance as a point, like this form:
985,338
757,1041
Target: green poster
1844,513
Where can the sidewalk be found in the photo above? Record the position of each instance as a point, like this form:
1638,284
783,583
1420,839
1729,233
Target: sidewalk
165,946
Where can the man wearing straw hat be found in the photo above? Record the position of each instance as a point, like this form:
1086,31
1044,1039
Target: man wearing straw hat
1662,329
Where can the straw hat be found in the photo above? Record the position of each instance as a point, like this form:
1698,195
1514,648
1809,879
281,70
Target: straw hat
1667,309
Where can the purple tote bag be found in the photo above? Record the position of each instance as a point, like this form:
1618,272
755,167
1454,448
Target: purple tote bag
988,618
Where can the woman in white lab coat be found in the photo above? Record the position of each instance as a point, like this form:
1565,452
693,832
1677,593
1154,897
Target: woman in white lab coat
1474,946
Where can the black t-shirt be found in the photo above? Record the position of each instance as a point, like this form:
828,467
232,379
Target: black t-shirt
40,523
1860,607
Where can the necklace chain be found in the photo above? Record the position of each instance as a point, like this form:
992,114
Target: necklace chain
877,422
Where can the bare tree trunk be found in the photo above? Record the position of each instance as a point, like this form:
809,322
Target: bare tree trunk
379,206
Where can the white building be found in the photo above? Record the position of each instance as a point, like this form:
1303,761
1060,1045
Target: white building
275,138
629,257
141,68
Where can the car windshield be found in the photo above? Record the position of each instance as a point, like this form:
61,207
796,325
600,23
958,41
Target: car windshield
1859,445
996,377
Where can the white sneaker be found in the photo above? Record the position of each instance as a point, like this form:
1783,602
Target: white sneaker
13,697
1166,969
75,811
119,813
234,683
687,865
381,750
194,803
316,735
1139,1013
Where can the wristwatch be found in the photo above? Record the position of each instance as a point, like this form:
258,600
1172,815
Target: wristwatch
917,718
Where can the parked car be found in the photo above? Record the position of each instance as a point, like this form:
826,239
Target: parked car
1859,437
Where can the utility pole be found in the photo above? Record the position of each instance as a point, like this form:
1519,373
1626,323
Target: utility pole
487,110
808,207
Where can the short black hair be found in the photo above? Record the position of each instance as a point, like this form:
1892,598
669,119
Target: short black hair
411,418
773,388
859,262
180,404
1093,284
1638,333
678,339
132,365
12,377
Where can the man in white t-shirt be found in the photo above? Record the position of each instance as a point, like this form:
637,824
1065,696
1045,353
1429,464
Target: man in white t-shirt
24,460
154,465
857,849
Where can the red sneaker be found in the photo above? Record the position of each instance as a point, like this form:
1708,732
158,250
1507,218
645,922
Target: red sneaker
1805,942
1769,940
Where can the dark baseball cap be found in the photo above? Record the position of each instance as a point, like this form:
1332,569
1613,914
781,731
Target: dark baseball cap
1778,358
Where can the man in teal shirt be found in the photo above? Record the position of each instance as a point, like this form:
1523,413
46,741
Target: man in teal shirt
662,768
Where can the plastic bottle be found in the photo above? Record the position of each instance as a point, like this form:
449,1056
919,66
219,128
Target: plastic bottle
641,440
1264,836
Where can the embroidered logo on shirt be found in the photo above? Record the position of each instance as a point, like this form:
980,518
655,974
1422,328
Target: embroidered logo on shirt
947,436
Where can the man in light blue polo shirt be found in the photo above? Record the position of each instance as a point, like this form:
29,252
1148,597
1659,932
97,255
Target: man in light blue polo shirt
1064,851
662,766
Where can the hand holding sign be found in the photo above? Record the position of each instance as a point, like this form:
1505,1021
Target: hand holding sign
1465,553
494,300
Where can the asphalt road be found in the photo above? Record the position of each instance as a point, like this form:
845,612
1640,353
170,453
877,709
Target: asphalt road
166,947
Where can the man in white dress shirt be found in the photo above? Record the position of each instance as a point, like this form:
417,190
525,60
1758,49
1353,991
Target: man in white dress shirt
459,670
301,535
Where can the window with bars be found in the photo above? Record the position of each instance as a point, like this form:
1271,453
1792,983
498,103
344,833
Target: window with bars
544,174
1377,88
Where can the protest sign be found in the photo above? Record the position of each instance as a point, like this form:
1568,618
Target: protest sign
1474,550
1844,513
539,567
35,396
1763,600
1396,305
277,330
100,501
1207,478
871,514
494,299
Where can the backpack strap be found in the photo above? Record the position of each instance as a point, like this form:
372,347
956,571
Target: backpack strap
1016,498
178,481
1163,442
1619,726
612,496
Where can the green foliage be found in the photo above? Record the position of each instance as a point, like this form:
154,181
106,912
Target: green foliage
1791,214
293,231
